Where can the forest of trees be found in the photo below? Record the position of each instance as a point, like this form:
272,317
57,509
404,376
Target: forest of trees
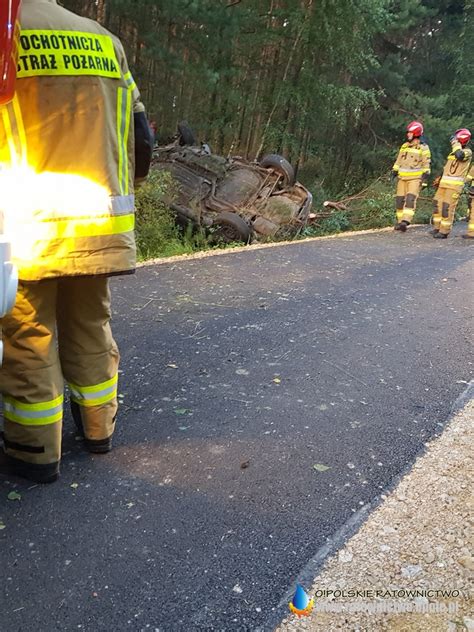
331,84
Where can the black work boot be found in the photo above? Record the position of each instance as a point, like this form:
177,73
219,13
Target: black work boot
468,236
396,227
96,446
36,472
403,226
440,236
435,231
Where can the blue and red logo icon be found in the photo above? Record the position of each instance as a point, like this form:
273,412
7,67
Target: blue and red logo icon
301,604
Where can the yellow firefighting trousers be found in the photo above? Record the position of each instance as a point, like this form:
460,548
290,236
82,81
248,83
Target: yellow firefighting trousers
406,197
58,328
470,215
444,207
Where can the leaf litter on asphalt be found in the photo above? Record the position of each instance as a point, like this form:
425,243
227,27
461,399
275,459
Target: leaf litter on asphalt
319,467
14,496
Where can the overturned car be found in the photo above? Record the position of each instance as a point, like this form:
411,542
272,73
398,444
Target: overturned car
236,200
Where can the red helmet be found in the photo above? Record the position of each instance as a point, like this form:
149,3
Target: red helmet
415,128
463,135
9,27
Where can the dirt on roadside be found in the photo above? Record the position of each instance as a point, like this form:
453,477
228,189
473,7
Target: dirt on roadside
419,539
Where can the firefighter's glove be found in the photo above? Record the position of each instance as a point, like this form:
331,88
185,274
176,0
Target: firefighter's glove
394,175
424,180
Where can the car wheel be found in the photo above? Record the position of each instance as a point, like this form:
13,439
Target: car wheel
186,134
281,166
231,227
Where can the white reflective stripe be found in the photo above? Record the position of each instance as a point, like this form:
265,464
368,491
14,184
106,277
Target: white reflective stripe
84,396
121,204
32,414
40,414
96,394
455,179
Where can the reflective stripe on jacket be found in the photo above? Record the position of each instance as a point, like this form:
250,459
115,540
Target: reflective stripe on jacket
67,148
413,160
456,172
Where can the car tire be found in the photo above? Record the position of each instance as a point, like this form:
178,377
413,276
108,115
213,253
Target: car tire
186,134
281,166
230,227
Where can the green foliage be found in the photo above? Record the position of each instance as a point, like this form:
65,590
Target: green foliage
156,232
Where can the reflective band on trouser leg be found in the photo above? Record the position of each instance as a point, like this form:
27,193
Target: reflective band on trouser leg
445,226
413,189
33,414
408,215
98,407
94,395
33,431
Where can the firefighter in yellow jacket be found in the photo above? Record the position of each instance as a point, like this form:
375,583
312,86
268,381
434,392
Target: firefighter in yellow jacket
71,144
411,169
451,183
470,205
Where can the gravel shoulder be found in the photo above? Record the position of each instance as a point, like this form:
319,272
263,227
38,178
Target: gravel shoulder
420,538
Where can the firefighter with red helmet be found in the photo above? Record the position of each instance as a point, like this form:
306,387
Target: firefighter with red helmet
411,169
76,133
451,183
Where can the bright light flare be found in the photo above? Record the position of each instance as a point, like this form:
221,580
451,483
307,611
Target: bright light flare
29,200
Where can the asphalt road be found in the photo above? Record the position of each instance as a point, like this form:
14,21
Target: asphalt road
240,373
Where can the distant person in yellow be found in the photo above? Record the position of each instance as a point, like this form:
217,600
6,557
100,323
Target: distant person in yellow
411,170
470,205
451,183
77,135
